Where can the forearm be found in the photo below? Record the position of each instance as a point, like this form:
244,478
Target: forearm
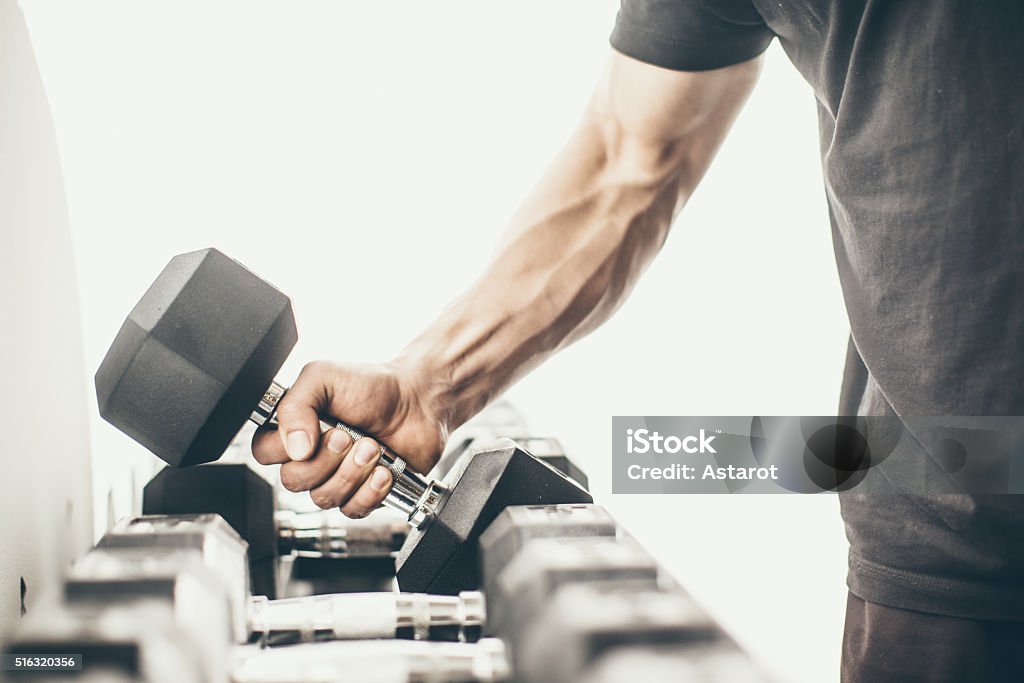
585,234
569,259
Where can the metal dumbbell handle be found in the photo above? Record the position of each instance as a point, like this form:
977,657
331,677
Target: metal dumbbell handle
360,616
410,493
315,534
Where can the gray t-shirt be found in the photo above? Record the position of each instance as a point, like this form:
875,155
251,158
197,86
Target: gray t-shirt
921,116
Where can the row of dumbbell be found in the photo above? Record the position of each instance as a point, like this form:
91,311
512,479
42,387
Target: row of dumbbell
167,598
151,558
577,599
569,593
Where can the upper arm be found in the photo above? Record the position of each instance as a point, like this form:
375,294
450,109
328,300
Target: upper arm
648,105
678,75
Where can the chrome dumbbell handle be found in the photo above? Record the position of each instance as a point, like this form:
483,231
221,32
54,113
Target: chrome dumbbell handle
360,616
410,493
407,488
318,534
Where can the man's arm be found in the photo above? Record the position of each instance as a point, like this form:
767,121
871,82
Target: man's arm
569,259
592,225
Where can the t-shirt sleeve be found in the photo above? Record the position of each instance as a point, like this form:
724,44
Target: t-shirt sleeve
690,35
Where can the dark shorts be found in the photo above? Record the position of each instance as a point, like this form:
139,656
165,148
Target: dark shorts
885,644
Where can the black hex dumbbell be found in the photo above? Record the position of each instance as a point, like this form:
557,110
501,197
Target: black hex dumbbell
584,623
551,451
200,602
383,661
545,448
360,552
519,524
546,565
138,642
196,358
698,662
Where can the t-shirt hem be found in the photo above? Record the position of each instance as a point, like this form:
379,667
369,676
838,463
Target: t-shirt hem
678,55
873,582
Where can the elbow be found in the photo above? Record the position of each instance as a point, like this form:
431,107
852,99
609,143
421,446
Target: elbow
646,163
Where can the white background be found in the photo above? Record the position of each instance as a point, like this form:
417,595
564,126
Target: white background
364,157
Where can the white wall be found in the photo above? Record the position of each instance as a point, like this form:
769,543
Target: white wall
45,506
364,156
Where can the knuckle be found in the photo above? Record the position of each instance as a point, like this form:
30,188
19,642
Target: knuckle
344,481
290,480
322,499
288,410
363,502
262,448
313,367
370,445
353,511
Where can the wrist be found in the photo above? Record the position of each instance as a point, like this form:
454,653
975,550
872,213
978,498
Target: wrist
430,384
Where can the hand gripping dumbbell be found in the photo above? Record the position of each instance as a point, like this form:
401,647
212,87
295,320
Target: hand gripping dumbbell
277,622
248,503
197,356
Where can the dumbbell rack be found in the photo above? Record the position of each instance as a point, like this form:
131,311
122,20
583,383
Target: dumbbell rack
570,597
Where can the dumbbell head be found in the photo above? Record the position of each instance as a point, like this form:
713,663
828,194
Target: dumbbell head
498,419
545,565
243,498
443,556
519,524
177,576
548,449
714,662
194,357
137,642
584,622
380,661
551,451
247,502
220,548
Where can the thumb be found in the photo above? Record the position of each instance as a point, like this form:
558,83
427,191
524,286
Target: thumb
298,414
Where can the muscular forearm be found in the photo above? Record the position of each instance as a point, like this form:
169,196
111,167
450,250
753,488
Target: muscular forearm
569,259
588,230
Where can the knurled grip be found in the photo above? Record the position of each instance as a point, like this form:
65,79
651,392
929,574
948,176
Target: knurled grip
359,616
407,487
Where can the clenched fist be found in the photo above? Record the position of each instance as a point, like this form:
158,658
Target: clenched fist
394,403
